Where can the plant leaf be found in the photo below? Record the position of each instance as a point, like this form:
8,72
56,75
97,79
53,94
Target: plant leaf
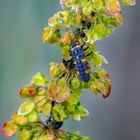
26,108
9,129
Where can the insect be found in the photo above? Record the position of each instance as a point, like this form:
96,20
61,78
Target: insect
53,123
79,61
69,64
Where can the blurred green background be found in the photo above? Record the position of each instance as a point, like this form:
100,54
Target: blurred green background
22,55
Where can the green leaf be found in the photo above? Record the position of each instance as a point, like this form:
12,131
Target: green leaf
83,111
39,79
20,120
98,5
56,69
97,32
98,59
70,107
54,22
115,21
58,113
87,9
73,98
50,35
33,117
26,108
62,82
45,137
65,52
76,117
40,101
62,15
46,34
128,2
103,74
75,83
80,113
25,134
46,109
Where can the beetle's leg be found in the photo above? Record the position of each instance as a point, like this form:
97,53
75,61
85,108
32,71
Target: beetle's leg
90,53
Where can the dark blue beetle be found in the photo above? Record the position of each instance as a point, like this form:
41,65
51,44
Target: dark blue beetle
79,61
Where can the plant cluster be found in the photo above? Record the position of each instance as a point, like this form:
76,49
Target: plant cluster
76,29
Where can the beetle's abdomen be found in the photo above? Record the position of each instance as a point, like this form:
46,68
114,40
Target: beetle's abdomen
81,62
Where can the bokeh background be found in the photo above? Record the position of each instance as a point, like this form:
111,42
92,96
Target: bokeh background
22,55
